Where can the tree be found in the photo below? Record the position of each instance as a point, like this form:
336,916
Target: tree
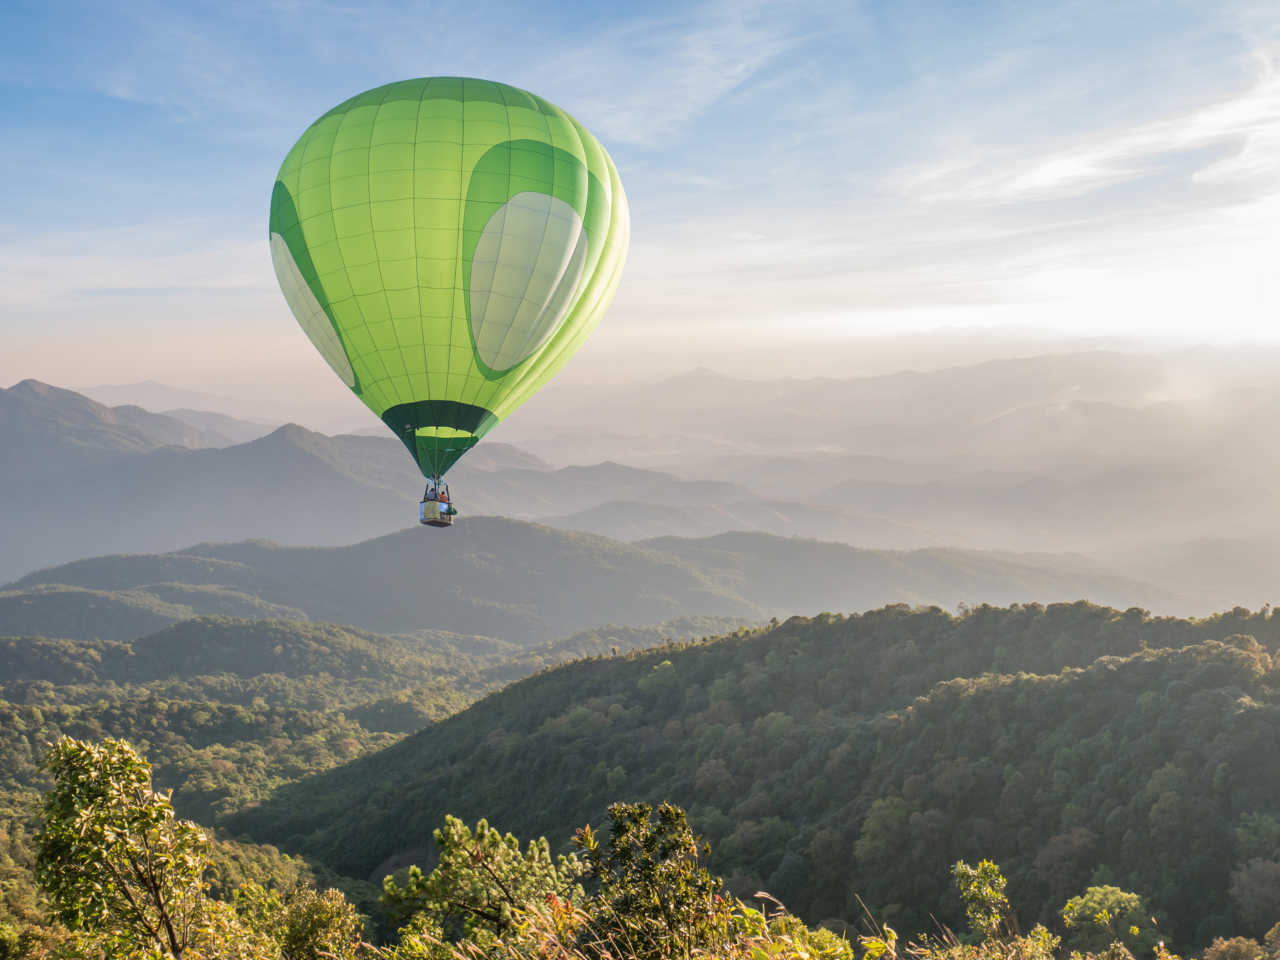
110,856
654,899
305,924
1255,887
885,833
1063,862
664,677
990,917
482,879
1258,835
1107,915
982,890
126,877
1237,948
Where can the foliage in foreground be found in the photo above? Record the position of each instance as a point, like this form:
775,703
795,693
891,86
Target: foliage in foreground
482,881
122,877
826,759
652,899
112,859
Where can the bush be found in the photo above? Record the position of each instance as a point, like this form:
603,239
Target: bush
304,923
482,880
1237,948
1107,915
654,897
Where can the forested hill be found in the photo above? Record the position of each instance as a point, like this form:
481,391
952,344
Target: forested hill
833,758
526,583
230,707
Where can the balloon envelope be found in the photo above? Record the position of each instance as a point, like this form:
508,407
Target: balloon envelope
447,244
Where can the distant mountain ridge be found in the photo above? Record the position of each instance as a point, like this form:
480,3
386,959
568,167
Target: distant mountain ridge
927,415
342,413
220,425
46,429
528,584
291,485
84,479
1092,453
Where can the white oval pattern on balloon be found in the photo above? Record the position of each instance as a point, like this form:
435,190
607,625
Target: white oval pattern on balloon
305,306
524,273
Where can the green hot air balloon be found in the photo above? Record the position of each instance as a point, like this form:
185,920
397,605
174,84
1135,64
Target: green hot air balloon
447,244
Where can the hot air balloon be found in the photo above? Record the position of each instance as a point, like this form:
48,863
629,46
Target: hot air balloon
447,244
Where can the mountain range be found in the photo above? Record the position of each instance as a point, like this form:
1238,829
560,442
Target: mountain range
525,583
1127,460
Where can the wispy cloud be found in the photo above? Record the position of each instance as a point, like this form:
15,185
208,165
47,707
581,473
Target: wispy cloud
637,76
646,78
1233,141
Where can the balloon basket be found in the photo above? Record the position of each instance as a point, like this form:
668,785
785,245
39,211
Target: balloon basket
436,513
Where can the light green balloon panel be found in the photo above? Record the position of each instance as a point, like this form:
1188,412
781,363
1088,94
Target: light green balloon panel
447,244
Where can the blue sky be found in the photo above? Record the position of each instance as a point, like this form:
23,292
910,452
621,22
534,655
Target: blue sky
804,171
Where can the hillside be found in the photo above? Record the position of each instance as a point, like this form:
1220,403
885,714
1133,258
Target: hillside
228,709
787,575
526,584
836,758
231,660
79,614
1242,566
486,576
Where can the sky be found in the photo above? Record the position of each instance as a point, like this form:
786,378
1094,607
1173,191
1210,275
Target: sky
801,175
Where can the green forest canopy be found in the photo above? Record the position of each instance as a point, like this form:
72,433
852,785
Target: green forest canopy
227,709
839,757
827,758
